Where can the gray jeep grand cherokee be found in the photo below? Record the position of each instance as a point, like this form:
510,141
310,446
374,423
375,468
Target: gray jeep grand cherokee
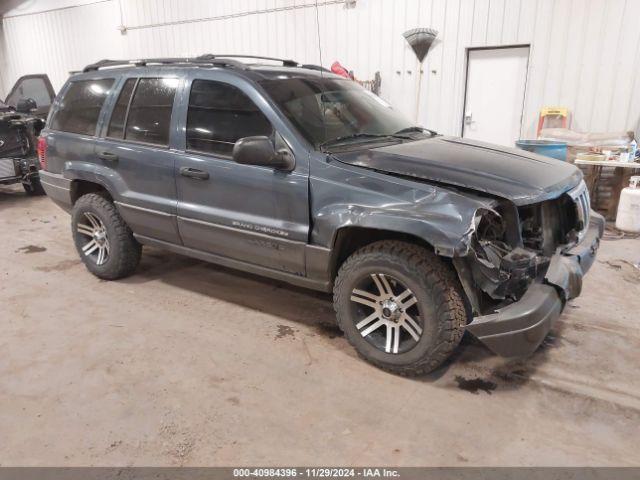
303,176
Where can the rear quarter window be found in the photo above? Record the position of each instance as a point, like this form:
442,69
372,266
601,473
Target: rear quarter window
80,106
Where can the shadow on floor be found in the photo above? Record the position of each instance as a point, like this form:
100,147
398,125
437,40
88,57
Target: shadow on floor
14,194
472,366
257,293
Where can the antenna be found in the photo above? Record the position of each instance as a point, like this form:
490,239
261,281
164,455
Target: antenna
324,120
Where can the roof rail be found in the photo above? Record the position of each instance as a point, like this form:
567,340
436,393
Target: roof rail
143,62
285,62
208,59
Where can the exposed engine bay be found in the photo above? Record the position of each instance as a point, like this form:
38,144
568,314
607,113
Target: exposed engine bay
511,247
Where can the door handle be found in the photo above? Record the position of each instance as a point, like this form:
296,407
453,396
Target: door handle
468,118
194,173
108,156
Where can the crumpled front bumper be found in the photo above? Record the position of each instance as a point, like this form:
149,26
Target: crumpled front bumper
519,328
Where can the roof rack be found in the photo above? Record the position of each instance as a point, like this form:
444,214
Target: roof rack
143,62
207,60
285,62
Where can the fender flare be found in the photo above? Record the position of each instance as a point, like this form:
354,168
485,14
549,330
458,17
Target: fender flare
98,174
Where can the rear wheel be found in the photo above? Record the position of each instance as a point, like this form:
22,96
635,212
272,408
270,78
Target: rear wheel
400,306
34,187
104,241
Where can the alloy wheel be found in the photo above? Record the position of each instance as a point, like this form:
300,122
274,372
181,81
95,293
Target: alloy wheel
386,313
96,245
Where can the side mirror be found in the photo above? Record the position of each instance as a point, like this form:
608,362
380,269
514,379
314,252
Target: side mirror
259,150
26,105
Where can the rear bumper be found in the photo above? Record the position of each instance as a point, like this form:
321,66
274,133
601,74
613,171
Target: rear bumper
57,189
519,328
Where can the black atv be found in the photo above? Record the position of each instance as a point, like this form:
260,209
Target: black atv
22,117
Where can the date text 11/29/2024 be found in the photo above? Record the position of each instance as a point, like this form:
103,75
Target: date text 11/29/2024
318,472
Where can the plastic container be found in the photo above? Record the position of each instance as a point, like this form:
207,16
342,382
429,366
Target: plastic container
548,148
633,146
628,217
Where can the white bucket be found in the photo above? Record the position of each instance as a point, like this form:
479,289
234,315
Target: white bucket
628,217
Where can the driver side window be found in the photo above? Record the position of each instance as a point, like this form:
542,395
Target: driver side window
219,114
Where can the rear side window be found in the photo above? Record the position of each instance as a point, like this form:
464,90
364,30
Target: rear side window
80,106
149,116
119,115
220,114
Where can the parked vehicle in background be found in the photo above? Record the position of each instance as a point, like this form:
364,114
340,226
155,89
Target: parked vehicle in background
22,117
304,176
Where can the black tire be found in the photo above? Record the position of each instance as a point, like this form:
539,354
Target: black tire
124,250
34,188
439,306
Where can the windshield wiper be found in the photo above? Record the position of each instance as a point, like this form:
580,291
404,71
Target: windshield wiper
353,136
433,133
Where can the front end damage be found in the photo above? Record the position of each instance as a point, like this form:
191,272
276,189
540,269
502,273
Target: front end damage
523,264
18,138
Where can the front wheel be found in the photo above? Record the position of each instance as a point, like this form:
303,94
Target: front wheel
104,241
400,306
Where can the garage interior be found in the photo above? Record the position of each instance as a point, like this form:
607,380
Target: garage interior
187,363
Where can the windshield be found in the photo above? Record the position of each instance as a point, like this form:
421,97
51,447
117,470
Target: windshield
326,110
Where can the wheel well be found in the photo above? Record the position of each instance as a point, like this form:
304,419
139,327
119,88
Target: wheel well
82,187
350,239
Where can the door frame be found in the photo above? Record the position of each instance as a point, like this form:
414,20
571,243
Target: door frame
466,78
48,86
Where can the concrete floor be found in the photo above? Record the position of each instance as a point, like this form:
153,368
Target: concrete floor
187,363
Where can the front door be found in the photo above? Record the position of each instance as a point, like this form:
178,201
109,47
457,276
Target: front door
32,94
496,80
250,214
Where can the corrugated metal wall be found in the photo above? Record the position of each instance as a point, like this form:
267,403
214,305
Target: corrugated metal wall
585,54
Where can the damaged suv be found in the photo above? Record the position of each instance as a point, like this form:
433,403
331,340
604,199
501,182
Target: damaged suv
21,120
304,176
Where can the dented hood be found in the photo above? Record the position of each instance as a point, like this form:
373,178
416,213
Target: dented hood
517,175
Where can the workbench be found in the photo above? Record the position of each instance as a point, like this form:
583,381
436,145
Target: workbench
621,175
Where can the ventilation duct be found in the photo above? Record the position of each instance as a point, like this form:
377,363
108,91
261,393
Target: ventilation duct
420,40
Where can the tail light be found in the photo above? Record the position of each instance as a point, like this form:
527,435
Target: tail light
42,152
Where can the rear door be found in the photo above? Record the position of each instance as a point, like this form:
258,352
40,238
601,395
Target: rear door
251,214
135,147
32,94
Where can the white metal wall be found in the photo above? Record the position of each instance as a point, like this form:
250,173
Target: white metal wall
585,54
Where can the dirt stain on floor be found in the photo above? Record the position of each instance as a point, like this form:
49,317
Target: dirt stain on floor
630,272
59,267
31,249
511,376
475,385
329,330
285,331
179,442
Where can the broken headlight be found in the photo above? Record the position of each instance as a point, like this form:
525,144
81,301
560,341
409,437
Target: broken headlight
499,269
